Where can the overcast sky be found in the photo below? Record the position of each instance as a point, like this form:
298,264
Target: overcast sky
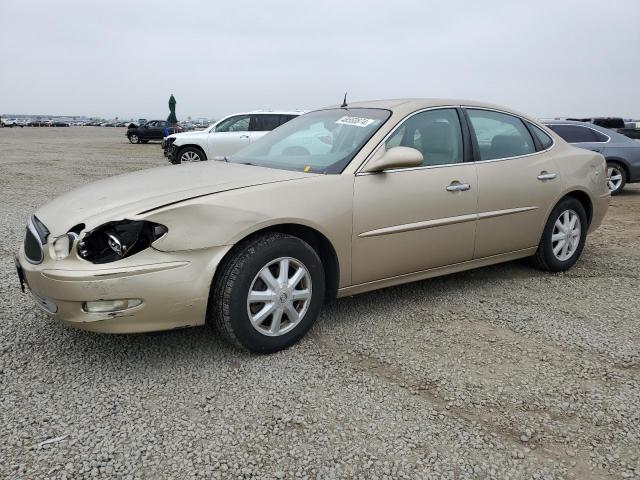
124,58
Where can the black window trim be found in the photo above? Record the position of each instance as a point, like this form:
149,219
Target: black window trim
579,126
536,140
476,148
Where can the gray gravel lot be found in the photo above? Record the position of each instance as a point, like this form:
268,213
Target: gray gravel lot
503,372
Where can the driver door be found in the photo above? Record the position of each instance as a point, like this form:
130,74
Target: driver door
415,219
230,136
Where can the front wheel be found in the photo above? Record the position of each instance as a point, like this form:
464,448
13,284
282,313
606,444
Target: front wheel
133,138
563,238
190,155
616,178
268,293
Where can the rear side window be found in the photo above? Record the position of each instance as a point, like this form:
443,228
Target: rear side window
578,134
500,135
544,139
264,123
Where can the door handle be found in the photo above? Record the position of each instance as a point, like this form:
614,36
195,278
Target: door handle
458,187
244,136
544,175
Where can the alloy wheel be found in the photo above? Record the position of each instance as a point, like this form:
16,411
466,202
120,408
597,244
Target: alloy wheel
134,139
565,236
614,178
189,156
279,296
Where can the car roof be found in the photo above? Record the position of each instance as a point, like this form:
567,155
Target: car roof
408,105
269,112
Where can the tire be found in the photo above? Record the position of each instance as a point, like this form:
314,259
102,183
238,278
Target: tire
189,155
229,304
616,177
134,138
552,255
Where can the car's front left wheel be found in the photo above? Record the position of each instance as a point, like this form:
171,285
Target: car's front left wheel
268,293
190,155
133,138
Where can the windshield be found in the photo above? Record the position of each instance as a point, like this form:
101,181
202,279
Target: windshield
324,141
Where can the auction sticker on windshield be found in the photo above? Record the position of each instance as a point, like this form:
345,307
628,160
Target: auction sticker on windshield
355,121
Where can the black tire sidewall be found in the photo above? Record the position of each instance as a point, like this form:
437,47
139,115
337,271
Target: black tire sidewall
622,172
184,150
244,332
554,263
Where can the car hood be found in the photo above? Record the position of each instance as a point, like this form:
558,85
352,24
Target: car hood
134,193
188,134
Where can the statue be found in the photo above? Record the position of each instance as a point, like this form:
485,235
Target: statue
172,119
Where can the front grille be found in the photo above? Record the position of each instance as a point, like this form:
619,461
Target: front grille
33,247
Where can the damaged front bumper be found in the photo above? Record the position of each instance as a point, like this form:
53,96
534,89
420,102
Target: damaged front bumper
170,150
164,290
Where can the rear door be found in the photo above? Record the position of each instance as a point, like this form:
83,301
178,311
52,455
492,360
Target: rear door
230,136
518,183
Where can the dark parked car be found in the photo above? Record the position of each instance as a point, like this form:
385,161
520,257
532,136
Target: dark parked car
622,153
152,130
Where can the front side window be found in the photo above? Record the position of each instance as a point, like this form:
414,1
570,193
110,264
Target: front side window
324,141
435,133
500,135
575,133
238,123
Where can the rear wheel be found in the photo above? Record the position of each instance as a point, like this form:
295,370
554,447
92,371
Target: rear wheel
616,177
268,293
563,237
134,138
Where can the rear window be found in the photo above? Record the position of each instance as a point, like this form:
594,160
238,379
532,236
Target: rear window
578,134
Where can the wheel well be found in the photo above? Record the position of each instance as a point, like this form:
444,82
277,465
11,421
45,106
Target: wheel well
316,240
190,145
621,163
584,199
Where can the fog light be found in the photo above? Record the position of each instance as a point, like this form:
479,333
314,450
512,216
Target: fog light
107,306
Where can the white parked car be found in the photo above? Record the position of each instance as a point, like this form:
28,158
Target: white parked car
12,122
223,138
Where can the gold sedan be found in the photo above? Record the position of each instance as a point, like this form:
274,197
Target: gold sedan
336,202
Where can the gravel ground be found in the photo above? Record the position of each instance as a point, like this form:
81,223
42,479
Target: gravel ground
502,372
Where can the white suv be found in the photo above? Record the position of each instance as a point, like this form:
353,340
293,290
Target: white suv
224,137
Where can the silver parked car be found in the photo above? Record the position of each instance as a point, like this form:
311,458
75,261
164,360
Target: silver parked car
622,153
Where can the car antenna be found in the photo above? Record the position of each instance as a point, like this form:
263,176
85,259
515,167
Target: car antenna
344,102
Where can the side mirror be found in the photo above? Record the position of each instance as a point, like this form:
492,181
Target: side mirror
395,157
